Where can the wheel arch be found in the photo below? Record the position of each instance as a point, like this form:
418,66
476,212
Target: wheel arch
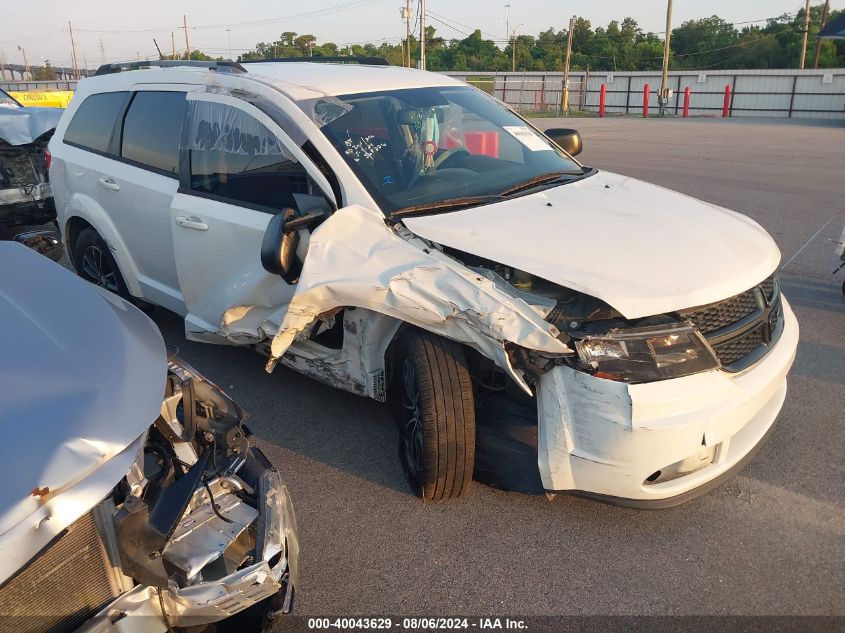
86,214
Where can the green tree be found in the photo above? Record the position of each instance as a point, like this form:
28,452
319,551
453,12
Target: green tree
45,72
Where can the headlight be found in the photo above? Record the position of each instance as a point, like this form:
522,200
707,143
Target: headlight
647,354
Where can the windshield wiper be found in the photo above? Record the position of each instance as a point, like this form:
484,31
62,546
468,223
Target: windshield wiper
542,179
452,204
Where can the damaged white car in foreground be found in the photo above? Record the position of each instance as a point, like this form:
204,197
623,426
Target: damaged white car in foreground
132,499
539,325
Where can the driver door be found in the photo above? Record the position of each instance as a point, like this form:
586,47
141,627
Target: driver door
238,169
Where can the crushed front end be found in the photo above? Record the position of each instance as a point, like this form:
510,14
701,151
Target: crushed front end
655,411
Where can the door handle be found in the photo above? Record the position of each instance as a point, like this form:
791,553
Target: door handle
108,183
191,223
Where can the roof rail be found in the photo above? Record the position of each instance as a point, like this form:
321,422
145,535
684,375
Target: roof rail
324,59
221,66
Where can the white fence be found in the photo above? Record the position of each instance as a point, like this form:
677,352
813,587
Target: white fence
768,93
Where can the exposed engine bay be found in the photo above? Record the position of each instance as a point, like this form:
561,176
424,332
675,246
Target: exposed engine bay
202,521
25,193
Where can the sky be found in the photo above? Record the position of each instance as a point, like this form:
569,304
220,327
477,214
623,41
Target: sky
220,26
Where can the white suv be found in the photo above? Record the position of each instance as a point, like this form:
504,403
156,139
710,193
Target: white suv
540,325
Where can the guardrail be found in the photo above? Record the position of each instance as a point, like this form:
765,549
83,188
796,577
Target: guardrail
32,86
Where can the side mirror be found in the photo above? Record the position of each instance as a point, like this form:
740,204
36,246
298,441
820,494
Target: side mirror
278,249
566,139
281,237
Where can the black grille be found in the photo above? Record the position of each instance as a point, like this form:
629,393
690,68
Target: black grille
740,328
740,347
718,315
768,287
63,586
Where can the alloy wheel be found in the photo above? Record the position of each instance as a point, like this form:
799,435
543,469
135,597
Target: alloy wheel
412,431
98,269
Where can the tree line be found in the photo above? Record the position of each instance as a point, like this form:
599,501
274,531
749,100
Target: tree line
695,44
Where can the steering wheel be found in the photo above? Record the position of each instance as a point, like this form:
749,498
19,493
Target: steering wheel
446,155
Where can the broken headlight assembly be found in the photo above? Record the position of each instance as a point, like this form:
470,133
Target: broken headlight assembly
646,354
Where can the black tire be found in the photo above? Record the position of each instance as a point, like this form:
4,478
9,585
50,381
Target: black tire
435,411
94,262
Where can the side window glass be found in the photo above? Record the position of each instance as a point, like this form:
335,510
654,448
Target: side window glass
234,156
92,124
152,128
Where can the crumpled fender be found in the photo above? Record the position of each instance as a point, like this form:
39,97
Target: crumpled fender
356,260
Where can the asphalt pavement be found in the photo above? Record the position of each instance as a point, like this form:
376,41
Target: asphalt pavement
771,541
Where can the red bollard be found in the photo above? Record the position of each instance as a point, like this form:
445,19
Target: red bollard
602,99
645,100
727,101
686,102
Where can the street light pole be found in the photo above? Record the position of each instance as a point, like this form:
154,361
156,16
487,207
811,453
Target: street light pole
508,33
25,63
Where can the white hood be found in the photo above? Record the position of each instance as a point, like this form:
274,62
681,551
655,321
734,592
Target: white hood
641,248
82,376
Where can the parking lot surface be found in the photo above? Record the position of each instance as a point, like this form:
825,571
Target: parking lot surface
770,541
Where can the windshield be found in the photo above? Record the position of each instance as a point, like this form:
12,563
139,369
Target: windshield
423,146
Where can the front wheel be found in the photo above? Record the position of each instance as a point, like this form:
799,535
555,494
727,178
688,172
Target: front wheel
435,411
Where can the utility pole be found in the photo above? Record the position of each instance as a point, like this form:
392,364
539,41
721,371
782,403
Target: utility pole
508,34
406,14
25,63
172,44
422,34
2,66
664,84
73,61
821,28
187,45
804,39
513,51
229,37
102,53
564,95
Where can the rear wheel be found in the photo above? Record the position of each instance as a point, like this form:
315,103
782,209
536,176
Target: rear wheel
435,412
94,262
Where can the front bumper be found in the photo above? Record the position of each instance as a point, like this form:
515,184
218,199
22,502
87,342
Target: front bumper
143,609
607,439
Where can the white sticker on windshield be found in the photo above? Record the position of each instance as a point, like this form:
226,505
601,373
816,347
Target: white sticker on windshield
527,137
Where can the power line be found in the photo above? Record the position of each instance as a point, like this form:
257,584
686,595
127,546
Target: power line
347,6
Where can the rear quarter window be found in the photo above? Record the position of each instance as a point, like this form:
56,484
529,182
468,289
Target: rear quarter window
92,124
152,129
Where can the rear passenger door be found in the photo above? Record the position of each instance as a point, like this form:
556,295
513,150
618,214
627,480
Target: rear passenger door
239,168
145,180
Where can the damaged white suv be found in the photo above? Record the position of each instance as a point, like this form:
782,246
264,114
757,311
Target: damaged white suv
539,325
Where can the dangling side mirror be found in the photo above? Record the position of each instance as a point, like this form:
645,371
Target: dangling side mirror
281,240
566,139
278,249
